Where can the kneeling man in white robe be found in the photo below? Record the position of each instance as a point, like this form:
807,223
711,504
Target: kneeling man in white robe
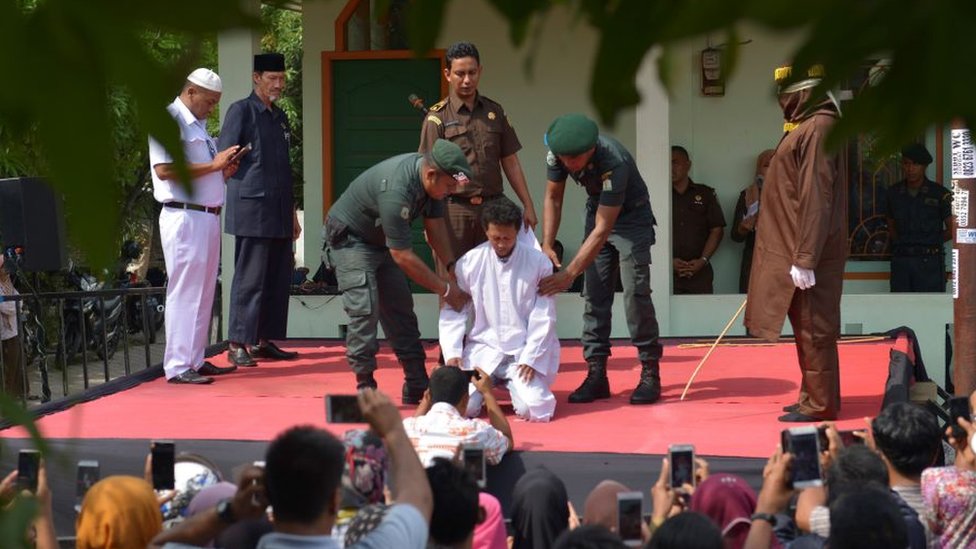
512,335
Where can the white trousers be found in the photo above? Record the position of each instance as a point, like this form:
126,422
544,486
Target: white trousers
191,247
533,401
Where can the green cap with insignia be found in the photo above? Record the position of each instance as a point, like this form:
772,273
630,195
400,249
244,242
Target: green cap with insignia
450,160
572,134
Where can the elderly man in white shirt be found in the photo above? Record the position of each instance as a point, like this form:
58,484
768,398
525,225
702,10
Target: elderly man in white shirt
513,334
189,227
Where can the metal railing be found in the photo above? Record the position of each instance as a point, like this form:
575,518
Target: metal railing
59,329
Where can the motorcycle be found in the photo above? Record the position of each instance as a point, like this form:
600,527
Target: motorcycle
91,323
153,307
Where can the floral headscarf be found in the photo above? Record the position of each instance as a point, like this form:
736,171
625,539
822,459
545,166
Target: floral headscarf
364,471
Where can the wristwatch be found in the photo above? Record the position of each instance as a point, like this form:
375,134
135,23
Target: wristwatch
225,511
771,519
705,258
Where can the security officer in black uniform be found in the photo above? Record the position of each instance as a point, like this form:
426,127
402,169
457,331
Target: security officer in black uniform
919,221
619,229
370,244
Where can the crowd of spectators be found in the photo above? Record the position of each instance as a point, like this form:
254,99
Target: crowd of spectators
887,487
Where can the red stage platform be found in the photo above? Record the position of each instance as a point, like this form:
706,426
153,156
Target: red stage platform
731,409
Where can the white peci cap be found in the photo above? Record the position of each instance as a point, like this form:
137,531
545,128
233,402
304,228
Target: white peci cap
206,79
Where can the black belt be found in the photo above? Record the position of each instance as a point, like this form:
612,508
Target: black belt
473,200
195,207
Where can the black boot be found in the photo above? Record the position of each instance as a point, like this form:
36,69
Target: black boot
648,389
594,386
415,382
365,381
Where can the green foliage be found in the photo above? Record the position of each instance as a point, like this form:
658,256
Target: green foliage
283,34
929,82
18,515
67,59
15,520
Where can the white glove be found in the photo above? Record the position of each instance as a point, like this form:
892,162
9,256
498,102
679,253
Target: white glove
803,279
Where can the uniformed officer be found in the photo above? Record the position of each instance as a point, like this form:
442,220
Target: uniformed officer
369,243
261,215
696,227
482,129
919,221
619,229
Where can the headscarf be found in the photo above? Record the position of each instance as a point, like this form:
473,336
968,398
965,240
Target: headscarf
540,509
364,470
490,533
118,512
729,501
210,496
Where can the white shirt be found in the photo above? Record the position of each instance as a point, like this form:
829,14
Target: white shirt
442,430
510,317
198,148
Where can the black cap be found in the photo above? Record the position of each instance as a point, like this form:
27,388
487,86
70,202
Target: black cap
917,153
272,62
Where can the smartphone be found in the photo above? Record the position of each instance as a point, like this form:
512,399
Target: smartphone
629,516
240,153
163,464
343,409
28,466
804,444
682,460
959,408
89,472
473,459
849,438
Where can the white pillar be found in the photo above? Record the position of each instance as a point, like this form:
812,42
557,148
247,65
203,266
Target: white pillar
235,54
653,157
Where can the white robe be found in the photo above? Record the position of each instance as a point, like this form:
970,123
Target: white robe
512,325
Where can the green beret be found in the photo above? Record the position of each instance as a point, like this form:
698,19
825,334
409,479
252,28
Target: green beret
450,160
917,153
571,134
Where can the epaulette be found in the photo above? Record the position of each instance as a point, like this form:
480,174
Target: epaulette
434,119
490,101
438,106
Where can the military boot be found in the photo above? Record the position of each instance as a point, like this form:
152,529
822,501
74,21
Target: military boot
594,386
648,389
415,382
365,381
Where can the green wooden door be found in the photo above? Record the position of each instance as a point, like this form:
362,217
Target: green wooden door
372,119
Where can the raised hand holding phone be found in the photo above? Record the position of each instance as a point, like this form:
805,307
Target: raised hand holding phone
240,153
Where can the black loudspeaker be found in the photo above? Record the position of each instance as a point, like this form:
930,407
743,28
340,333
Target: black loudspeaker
31,216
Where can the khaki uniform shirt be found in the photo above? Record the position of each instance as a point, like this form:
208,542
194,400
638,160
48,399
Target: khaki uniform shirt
694,214
483,133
